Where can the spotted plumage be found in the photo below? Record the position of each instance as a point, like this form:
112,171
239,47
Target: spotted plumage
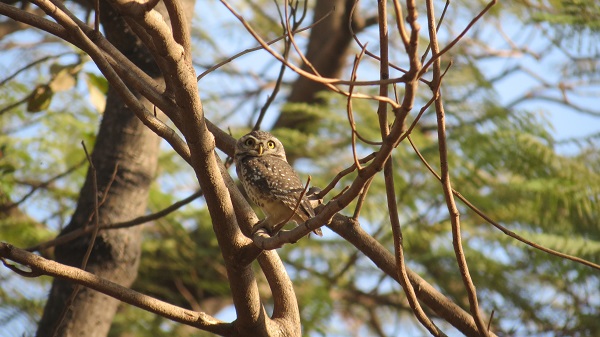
270,181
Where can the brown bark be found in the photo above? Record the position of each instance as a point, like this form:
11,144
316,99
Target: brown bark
123,144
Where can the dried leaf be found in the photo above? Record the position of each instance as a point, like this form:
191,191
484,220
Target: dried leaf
97,95
40,98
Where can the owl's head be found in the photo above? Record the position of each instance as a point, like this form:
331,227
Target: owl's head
257,144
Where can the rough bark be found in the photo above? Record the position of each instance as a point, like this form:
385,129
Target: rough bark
123,144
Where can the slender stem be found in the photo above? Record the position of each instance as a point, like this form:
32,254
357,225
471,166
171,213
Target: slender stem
445,179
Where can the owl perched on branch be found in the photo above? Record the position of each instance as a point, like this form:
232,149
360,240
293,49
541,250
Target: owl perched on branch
271,182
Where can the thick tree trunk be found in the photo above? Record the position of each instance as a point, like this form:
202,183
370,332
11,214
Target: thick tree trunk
125,146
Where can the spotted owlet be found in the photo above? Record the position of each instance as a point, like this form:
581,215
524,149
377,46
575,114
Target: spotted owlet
270,181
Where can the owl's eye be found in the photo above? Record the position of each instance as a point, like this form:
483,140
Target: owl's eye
250,142
271,144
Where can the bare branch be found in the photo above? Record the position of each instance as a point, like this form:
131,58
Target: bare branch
389,176
445,175
260,47
180,32
41,266
350,230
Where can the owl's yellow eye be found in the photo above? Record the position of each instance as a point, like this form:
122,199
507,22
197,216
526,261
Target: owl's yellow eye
271,144
250,142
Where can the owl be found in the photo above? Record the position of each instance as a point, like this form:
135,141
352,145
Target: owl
270,181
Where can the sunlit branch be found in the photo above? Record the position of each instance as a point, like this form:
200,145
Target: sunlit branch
437,29
388,174
181,34
445,179
344,173
351,230
40,266
64,18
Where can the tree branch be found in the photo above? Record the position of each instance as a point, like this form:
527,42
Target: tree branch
350,230
445,175
41,266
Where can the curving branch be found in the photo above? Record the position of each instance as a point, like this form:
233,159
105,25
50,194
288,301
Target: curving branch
39,266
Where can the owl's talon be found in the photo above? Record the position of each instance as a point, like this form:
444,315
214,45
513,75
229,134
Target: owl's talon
261,225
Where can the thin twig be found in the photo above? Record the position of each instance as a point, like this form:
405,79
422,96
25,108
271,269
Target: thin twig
361,199
426,106
125,224
355,134
490,320
458,38
42,185
104,194
364,45
497,225
388,173
259,47
69,301
304,59
349,109
96,208
344,173
328,82
400,25
32,64
271,97
97,16
437,29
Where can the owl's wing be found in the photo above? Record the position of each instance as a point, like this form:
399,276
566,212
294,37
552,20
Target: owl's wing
290,199
289,188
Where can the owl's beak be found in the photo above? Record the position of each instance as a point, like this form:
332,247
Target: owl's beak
260,149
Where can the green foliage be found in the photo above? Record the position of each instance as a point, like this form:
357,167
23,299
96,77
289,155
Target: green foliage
576,14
